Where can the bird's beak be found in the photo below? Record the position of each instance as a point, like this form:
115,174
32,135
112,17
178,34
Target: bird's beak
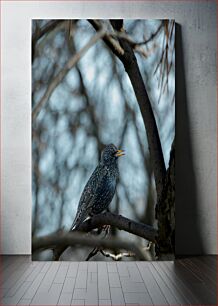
119,153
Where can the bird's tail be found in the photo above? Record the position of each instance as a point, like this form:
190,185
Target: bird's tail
80,217
75,224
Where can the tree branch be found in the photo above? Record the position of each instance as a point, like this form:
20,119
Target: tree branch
74,238
133,43
140,229
112,43
131,66
60,76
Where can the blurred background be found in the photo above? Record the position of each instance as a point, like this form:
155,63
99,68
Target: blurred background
93,106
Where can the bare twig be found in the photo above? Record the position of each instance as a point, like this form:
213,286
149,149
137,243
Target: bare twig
133,43
153,35
92,253
72,239
108,39
59,77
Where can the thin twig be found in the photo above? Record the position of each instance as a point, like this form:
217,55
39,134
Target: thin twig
48,27
60,76
133,43
108,39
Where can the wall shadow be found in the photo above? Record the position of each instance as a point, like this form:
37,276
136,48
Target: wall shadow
188,234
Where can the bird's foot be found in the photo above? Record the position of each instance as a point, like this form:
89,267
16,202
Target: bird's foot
106,229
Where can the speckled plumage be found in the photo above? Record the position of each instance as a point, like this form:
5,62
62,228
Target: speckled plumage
100,188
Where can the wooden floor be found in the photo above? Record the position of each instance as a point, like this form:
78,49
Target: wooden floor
189,281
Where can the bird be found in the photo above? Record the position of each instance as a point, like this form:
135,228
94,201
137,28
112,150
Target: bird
100,188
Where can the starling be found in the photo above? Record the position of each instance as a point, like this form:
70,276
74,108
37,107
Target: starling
100,188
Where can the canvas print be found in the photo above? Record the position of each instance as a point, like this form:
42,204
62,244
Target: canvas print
103,139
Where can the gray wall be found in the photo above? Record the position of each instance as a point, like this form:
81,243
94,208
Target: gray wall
196,211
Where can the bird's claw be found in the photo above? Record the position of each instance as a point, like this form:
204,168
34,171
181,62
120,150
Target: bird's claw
106,229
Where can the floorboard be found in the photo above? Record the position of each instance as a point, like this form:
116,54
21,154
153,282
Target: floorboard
186,281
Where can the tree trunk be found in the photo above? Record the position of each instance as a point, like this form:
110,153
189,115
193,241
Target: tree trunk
165,213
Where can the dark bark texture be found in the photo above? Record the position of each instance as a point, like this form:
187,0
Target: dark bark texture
165,213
